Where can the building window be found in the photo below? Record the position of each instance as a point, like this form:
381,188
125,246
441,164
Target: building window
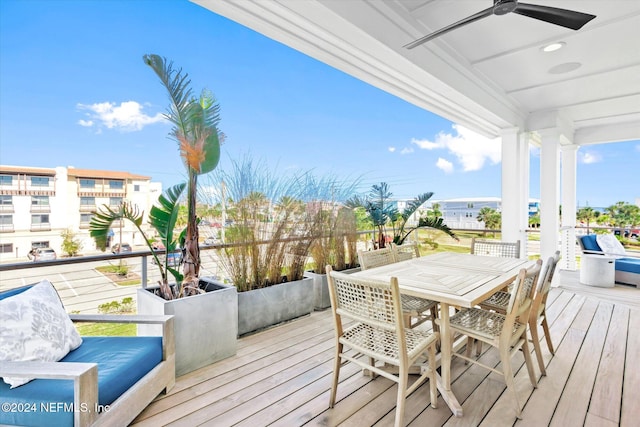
87,201
40,200
115,201
39,181
6,200
87,183
136,187
6,180
6,248
85,219
6,223
40,244
116,185
39,219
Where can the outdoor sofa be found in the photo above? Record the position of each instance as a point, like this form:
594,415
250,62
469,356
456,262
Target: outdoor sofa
104,381
627,266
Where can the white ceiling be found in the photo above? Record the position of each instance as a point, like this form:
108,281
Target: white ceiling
489,75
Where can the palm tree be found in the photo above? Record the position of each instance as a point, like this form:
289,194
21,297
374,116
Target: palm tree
587,214
195,129
382,211
490,217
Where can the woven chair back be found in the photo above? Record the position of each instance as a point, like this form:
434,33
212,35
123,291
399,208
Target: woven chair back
495,248
374,303
376,258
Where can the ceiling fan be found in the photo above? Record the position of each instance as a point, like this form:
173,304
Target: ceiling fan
563,17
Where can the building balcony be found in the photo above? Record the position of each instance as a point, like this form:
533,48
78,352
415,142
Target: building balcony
6,228
7,209
88,208
40,209
45,226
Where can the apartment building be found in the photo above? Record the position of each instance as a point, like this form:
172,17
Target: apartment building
38,204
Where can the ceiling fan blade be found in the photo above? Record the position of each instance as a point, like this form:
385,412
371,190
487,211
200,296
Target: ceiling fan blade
468,20
563,17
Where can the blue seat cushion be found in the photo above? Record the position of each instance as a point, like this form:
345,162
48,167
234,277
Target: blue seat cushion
589,243
122,361
630,265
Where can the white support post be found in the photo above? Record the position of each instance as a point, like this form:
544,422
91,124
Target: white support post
569,208
515,187
549,191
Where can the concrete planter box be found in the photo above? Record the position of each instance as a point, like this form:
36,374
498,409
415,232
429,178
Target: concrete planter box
261,308
321,300
206,325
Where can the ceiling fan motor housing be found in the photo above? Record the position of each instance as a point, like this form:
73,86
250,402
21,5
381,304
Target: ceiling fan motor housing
502,7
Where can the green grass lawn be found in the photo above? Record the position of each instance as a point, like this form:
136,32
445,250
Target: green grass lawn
106,329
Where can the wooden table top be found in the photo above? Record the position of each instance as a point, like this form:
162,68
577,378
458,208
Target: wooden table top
448,277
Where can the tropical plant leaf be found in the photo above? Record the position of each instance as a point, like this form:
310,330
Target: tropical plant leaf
164,215
103,219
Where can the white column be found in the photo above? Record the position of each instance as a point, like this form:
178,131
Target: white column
549,191
569,173
515,187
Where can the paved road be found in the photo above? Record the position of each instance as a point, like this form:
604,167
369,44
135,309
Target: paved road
82,288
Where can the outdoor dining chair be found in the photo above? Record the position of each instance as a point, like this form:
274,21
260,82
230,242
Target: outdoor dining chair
416,310
495,248
506,332
499,301
406,251
378,334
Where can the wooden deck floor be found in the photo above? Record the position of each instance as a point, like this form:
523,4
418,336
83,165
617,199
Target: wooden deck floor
281,377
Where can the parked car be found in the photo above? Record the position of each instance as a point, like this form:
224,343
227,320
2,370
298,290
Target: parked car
116,249
43,254
174,259
210,241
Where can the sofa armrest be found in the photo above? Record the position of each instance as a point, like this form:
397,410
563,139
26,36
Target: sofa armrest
85,383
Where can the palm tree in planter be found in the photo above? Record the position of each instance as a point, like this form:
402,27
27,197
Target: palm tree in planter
195,129
382,212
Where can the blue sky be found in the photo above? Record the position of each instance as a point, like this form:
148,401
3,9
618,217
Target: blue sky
74,91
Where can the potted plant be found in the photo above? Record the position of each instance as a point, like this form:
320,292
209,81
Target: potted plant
273,220
195,129
336,245
383,212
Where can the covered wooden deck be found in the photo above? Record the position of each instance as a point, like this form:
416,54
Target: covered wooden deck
282,376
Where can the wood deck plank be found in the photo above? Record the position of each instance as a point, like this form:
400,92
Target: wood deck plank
606,398
574,401
630,411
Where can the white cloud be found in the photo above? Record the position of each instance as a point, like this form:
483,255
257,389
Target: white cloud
471,150
406,150
589,157
126,117
445,165
392,149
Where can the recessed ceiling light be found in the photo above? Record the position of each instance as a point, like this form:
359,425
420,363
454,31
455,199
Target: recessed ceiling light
553,47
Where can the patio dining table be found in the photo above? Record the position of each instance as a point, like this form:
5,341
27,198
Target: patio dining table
461,280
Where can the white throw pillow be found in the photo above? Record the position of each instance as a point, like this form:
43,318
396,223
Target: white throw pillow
610,245
34,326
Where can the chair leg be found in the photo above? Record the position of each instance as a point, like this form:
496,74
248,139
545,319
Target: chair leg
407,320
467,351
505,358
403,382
547,336
434,316
533,328
336,374
527,359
